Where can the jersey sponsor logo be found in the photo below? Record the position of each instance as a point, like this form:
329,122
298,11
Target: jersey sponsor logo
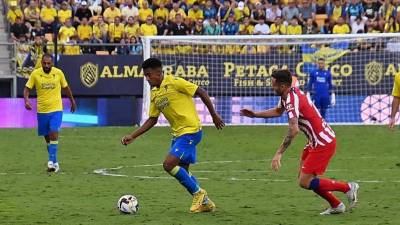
89,74
373,72
48,86
162,103
321,79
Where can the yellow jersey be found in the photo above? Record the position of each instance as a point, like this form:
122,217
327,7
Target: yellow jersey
246,30
64,15
148,30
100,30
116,31
72,50
29,12
294,30
173,13
144,13
341,29
48,89
396,86
174,99
85,32
12,15
109,14
163,13
195,15
132,31
278,29
48,14
65,33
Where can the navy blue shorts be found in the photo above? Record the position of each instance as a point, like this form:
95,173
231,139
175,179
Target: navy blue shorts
184,147
49,122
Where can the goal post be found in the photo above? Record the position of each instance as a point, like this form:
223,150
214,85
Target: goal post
236,71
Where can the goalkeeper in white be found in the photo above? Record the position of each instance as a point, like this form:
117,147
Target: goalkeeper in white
320,86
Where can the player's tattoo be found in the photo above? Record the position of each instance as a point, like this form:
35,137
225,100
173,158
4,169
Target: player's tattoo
293,128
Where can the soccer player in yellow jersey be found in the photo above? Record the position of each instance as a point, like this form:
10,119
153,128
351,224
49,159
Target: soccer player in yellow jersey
396,100
48,82
172,96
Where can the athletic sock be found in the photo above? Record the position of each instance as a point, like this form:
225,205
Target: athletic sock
185,179
324,184
328,196
193,178
53,151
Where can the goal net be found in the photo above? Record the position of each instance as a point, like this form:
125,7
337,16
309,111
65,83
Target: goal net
235,71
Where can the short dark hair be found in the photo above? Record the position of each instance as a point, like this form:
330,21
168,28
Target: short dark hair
282,77
152,63
47,55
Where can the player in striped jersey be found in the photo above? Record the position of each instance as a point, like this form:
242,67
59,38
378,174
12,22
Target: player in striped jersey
321,146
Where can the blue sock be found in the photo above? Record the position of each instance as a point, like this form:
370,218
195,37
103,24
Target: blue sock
314,184
53,151
193,178
185,179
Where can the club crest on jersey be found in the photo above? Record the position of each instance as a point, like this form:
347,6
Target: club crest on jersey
373,72
89,74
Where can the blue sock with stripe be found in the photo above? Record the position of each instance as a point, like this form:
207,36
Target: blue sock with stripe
193,178
185,179
53,151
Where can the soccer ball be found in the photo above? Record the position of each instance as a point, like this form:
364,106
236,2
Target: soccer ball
128,204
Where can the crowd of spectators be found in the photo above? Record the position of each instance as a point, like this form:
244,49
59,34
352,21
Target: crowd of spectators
125,21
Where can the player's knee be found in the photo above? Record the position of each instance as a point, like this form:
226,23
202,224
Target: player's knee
168,166
304,183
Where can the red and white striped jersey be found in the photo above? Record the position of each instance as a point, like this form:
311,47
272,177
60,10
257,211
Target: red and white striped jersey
311,123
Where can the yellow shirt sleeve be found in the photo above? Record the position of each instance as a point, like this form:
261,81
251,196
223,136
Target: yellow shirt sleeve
31,82
63,81
153,112
184,86
396,86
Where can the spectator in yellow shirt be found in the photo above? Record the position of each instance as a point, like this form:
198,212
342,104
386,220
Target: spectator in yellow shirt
64,13
48,15
32,13
144,12
176,10
100,31
111,12
148,28
71,47
162,12
278,28
116,30
391,26
294,28
132,28
241,11
14,12
66,32
246,28
341,27
85,31
195,13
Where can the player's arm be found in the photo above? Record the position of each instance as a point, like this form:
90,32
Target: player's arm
395,108
150,122
28,105
330,86
292,132
270,113
68,92
205,98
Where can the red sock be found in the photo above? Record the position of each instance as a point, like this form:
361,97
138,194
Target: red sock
332,185
328,196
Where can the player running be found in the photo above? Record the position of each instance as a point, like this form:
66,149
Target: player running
49,81
172,96
321,146
320,85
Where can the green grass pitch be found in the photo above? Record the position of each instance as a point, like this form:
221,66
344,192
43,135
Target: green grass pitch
234,167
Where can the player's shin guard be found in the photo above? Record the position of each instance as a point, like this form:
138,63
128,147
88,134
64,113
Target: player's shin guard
53,151
324,184
185,179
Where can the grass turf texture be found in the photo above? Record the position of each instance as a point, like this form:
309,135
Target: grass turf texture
246,191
